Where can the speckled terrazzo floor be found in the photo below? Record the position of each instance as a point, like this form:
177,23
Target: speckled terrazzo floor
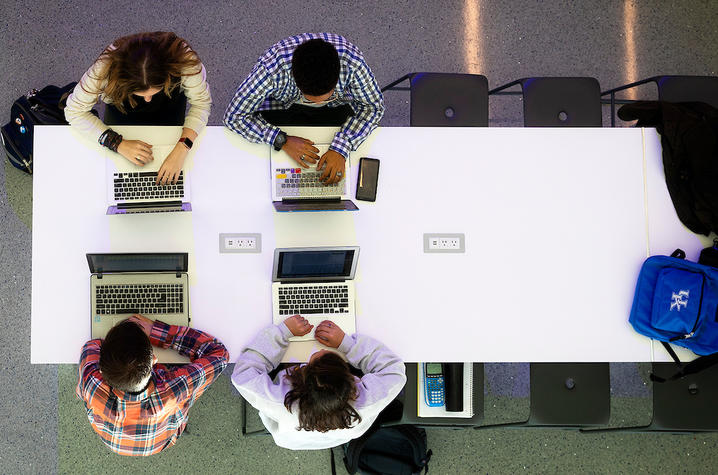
43,428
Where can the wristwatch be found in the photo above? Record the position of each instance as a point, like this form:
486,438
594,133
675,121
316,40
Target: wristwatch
187,142
280,140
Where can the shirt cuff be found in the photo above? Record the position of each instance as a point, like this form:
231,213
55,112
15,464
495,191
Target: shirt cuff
284,330
273,132
341,146
346,344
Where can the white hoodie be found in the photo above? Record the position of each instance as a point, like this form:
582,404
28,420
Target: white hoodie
384,376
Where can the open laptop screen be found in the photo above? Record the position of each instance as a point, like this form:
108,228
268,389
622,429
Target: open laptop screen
315,264
138,262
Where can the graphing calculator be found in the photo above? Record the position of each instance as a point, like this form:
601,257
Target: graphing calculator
434,384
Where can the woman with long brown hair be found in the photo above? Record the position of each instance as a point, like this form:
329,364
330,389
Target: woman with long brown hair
320,404
144,79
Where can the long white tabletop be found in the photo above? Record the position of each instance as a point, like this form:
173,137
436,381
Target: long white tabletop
555,223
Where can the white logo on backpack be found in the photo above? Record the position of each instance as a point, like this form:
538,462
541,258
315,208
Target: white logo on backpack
679,299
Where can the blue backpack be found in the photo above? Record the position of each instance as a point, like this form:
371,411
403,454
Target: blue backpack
676,301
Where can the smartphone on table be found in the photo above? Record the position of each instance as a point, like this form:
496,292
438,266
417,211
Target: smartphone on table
368,179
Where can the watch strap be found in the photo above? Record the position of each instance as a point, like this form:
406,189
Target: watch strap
185,140
279,141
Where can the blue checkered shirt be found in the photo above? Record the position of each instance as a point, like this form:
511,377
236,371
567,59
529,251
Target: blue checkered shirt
271,85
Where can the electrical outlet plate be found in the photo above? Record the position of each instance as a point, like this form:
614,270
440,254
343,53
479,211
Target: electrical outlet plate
444,242
240,242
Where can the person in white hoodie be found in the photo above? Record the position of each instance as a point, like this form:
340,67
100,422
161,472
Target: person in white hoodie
319,404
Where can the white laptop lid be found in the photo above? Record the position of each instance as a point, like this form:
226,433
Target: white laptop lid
280,160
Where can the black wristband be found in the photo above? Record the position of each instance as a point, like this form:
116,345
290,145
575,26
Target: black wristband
110,139
279,141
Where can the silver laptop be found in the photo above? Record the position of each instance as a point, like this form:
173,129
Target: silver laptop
132,188
295,188
316,283
155,285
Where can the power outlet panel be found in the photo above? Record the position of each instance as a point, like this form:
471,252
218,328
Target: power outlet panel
443,242
240,242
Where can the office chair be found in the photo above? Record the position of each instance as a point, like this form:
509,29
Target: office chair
672,89
558,101
682,406
446,99
408,400
566,396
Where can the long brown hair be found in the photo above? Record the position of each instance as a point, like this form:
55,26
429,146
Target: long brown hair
144,60
323,389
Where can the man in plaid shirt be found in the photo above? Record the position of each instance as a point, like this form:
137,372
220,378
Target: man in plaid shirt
139,407
309,79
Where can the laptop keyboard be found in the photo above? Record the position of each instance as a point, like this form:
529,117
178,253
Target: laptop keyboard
140,186
314,299
139,298
299,183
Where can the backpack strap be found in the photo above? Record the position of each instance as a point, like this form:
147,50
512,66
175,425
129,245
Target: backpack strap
695,366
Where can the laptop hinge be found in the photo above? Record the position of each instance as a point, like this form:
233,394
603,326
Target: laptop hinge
328,281
179,272
99,272
330,199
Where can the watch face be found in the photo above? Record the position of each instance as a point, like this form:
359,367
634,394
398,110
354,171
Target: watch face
186,141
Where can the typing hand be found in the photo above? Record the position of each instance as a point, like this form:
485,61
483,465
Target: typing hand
333,163
144,323
136,151
172,166
298,325
301,150
328,333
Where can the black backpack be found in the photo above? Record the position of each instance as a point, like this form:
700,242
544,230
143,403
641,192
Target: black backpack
689,138
43,107
396,450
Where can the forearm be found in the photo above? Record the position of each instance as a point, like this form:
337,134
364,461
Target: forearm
264,352
357,128
371,356
187,341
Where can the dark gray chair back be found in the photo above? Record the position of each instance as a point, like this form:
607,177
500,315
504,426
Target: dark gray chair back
561,102
449,100
570,394
686,404
688,89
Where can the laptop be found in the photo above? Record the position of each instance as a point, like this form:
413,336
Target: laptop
316,283
132,189
155,285
298,189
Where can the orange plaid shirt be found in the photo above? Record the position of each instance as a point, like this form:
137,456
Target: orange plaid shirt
147,422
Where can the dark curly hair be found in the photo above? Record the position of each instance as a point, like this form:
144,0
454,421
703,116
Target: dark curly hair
126,356
315,67
144,60
323,389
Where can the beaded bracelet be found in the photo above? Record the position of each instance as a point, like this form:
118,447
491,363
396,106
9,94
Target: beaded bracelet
110,139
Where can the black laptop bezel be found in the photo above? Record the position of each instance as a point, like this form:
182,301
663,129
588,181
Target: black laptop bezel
183,256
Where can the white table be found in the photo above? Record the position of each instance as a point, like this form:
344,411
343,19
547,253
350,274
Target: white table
555,225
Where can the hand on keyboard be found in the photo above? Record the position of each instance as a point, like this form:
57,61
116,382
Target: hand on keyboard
333,163
301,150
136,151
328,333
144,322
298,325
172,166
